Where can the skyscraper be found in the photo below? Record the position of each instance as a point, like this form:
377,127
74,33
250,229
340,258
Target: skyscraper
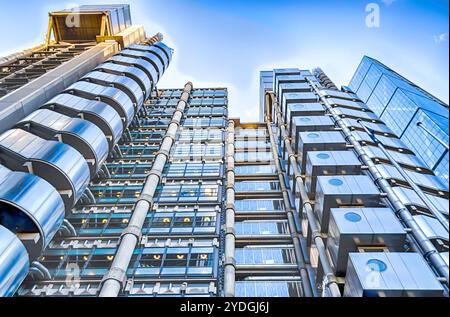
418,118
112,187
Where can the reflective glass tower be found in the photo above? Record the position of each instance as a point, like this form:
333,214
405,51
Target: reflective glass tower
415,116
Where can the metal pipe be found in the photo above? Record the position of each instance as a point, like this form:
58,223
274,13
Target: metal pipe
70,228
230,234
9,59
41,269
439,216
421,125
330,281
106,171
429,250
90,196
114,280
306,283
158,37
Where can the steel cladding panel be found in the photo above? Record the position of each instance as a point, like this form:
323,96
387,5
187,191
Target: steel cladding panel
14,262
390,274
97,112
353,227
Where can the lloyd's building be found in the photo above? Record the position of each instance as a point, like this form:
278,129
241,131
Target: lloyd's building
112,187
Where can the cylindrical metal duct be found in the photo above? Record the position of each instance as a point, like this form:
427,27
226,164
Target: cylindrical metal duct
114,280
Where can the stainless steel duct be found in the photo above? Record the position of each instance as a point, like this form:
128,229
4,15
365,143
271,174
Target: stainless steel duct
429,251
230,234
306,283
330,281
439,216
115,278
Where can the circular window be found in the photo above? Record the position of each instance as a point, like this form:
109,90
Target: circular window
376,265
304,119
335,182
352,216
313,135
323,156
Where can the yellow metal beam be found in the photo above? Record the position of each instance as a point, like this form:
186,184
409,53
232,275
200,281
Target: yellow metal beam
48,37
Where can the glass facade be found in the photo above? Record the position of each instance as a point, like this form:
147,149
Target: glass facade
169,197
181,234
402,105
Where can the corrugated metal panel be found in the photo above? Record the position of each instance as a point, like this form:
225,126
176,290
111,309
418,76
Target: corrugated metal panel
148,57
110,95
57,163
20,103
82,135
140,63
14,262
97,112
30,205
126,84
132,72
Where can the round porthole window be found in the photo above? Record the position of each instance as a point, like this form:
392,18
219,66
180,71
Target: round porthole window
335,182
376,265
313,135
323,156
352,216
304,119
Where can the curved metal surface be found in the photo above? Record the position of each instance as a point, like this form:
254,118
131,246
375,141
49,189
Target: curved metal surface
148,57
99,113
431,227
14,262
56,162
139,76
409,198
137,62
114,97
29,204
166,49
423,180
158,52
82,135
124,83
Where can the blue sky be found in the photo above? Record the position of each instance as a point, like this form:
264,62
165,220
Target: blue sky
227,43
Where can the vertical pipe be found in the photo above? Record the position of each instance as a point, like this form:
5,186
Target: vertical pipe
306,283
422,126
330,281
115,278
429,251
439,216
230,235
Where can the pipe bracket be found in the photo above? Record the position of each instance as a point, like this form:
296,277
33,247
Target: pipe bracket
116,274
133,230
146,197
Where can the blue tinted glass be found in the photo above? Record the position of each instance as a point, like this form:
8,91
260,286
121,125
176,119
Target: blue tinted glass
335,182
353,217
323,156
376,265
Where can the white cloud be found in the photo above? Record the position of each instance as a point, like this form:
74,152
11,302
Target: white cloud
441,37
